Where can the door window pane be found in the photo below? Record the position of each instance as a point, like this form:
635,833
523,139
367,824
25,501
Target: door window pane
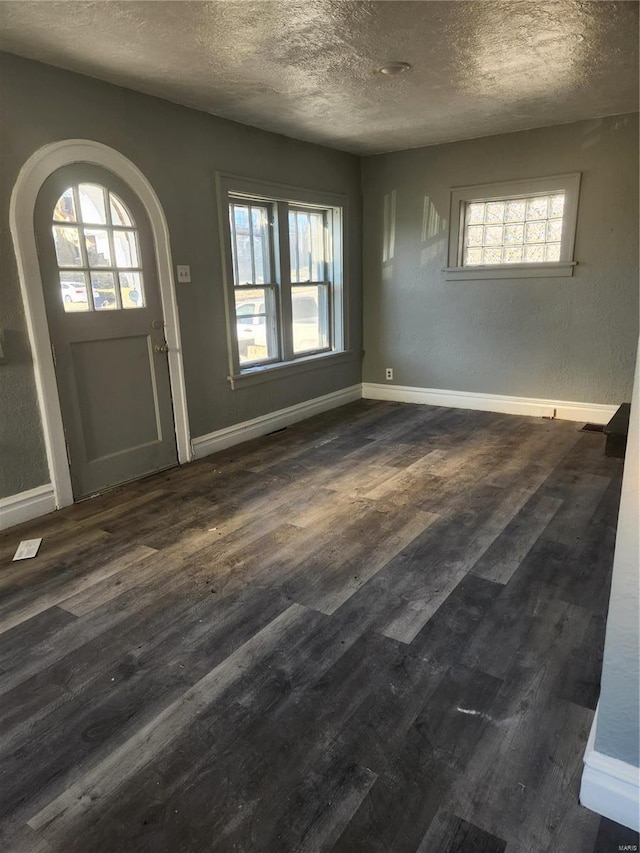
67,243
119,213
92,204
65,209
131,292
310,316
98,249
126,249
104,291
73,289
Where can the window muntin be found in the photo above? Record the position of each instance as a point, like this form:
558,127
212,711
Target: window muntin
513,231
268,274
97,250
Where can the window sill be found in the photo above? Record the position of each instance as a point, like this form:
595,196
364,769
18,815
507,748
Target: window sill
264,373
545,270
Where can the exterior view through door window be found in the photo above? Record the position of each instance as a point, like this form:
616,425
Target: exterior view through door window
97,251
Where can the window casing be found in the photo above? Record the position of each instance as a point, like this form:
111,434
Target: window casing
283,270
515,229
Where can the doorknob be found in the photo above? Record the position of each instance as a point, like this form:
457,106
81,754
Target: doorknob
161,348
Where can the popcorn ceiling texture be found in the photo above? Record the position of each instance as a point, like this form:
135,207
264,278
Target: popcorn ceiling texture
308,69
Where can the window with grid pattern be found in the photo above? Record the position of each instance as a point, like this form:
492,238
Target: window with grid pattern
513,231
521,228
97,250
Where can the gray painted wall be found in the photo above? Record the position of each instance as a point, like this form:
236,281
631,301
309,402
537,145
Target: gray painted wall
619,709
563,339
178,150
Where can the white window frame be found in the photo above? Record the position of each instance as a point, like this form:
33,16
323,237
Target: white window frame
233,187
462,196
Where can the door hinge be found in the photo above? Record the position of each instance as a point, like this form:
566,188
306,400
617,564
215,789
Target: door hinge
53,354
66,447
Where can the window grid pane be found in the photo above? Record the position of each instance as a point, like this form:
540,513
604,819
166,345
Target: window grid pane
73,286
519,230
92,206
99,264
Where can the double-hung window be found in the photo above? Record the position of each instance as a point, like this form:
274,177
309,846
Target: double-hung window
508,230
284,277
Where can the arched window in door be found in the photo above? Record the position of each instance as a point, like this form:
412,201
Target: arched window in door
97,251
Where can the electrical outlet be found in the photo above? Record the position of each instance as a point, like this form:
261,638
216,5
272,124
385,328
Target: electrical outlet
388,374
184,273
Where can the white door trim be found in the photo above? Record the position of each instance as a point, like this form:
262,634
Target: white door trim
32,175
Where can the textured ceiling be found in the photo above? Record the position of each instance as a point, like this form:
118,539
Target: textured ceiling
308,69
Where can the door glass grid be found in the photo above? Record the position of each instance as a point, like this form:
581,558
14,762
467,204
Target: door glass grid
97,249
514,231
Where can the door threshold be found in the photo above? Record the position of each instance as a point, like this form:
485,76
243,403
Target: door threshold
124,483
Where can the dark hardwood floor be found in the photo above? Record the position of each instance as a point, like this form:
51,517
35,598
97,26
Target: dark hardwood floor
379,630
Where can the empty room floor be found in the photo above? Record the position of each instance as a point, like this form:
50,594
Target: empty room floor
377,630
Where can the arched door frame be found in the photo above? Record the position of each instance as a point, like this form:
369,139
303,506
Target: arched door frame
32,175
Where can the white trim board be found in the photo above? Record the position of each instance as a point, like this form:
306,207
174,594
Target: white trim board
44,162
597,413
610,787
204,445
26,505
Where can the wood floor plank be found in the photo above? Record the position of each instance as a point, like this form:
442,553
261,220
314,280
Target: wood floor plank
503,557
450,834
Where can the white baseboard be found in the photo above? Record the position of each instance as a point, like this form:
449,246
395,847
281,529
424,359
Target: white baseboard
41,500
204,445
610,787
563,409
26,505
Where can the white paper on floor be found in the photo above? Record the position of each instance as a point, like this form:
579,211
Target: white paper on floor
26,549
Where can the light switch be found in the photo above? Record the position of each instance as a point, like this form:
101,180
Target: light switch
184,273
